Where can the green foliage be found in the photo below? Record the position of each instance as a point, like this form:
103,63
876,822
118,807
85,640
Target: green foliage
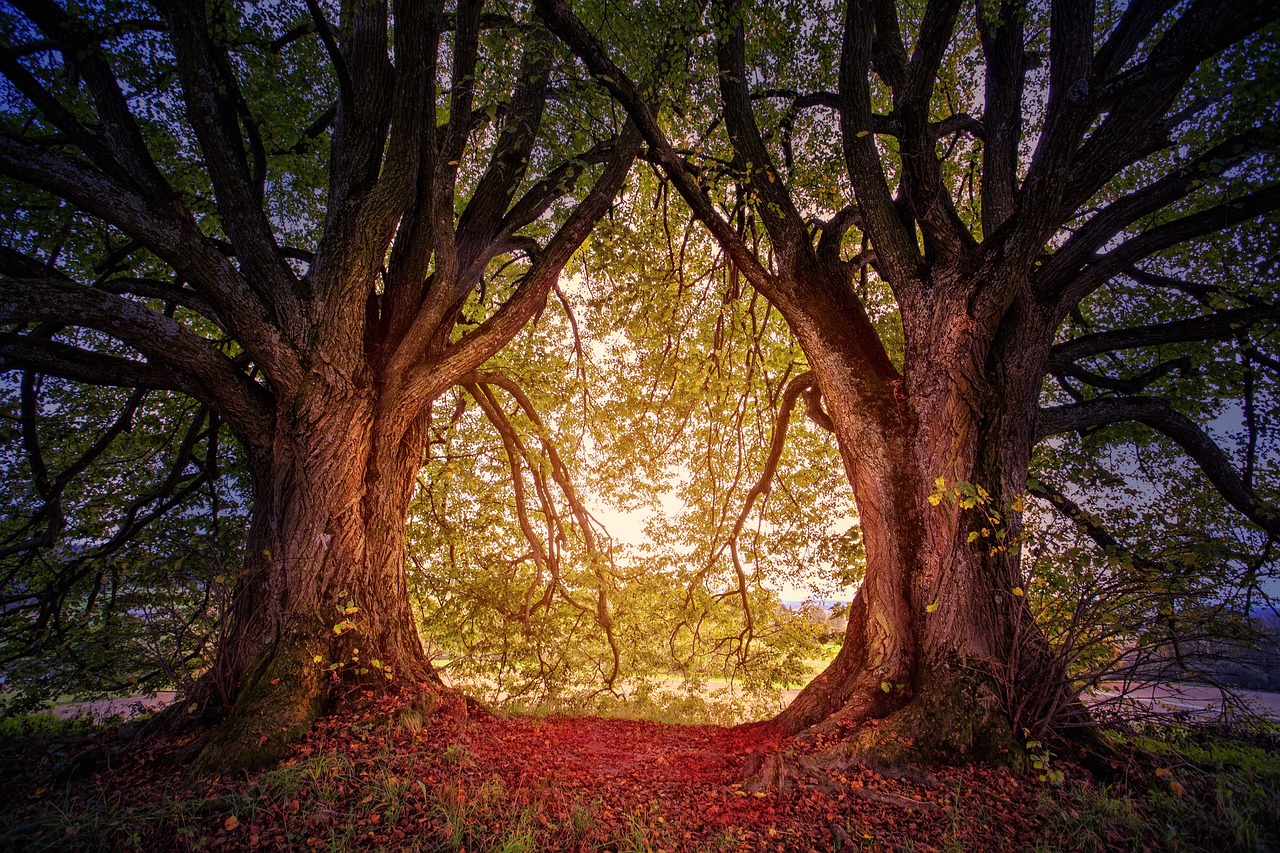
660,394
17,728
118,559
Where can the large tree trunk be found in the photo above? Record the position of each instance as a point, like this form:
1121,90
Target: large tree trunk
940,642
322,601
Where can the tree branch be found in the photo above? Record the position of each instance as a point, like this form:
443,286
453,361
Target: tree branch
751,157
172,234
1004,49
1104,225
212,98
424,382
561,20
1216,326
1163,418
1137,100
1216,218
1132,385
894,240
211,374
120,131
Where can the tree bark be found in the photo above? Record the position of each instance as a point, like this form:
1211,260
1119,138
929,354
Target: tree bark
940,647
322,599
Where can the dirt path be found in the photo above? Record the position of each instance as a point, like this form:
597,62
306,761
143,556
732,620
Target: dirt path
124,707
1183,698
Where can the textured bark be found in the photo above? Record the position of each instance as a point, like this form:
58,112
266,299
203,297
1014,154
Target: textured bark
326,359
937,644
324,583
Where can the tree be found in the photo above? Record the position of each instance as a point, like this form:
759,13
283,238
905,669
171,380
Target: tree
314,228
975,181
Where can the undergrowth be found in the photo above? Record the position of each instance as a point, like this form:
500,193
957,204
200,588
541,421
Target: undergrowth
1182,788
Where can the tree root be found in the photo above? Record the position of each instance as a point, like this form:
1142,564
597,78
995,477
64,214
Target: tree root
442,704
273,710
826,770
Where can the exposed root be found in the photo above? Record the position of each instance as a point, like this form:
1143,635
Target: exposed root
828,771
440,703
950,719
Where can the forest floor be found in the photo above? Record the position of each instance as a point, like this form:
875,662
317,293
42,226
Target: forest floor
391,775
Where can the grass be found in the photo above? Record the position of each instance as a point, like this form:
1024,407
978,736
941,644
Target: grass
1187,790
710,701
44,726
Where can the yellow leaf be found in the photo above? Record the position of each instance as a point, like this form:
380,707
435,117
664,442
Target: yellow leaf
934,500
318,659
929,608
1017,590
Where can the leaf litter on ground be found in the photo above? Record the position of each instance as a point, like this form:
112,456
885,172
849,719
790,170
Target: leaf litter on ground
429,774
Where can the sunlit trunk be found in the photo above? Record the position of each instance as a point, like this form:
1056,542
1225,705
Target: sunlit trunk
940,644
322,602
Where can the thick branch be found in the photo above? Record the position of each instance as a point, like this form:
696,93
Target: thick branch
1128,385
897,255
160,338
1121,214
171,233
1184,229
212,98
424,382
1137,100
946,237
1217,326
1003,47
751,157
119,129
25,352
561,20
1165,419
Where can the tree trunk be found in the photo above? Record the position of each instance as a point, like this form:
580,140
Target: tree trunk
322,600
941,646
